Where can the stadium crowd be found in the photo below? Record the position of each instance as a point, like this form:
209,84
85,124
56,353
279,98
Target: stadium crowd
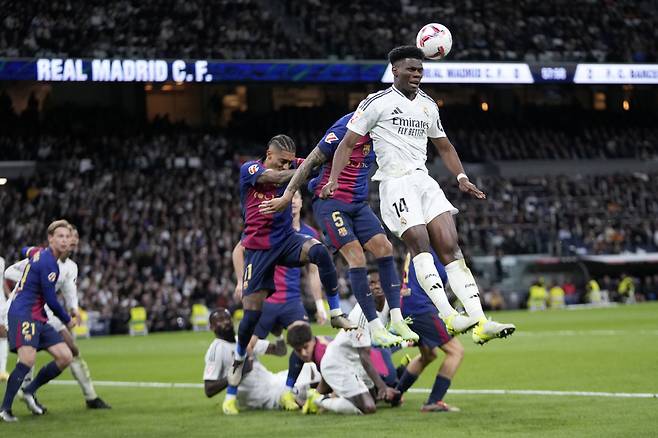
526,30
541,133
158,225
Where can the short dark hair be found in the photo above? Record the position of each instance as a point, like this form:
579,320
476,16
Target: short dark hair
216,313
404,52
283,142
299,334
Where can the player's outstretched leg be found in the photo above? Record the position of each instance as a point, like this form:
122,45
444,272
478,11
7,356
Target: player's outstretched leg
454,354
295,365
62,358
381,248
80,372
443,234
417,240
252,310
13,385
318,254
358,275
390,282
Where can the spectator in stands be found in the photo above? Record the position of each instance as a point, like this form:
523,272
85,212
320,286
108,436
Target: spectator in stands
526,30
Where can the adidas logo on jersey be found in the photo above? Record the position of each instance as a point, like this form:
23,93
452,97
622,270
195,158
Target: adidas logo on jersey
396,111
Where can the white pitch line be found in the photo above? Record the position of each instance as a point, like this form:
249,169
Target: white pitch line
542,392
416,390
587,333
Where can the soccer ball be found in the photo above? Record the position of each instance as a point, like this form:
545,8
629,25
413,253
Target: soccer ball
434,40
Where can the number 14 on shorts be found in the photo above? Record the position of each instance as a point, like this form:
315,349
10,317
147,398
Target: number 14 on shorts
400,206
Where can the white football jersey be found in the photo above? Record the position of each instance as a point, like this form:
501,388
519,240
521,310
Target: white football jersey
399,128
3,298
259,389
66,282
344,348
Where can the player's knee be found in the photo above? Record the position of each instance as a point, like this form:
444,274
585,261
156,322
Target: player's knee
319,255
75,352
28,360
417,240
380,246
428,356
454,349
354,255
368,407
449,249
64,358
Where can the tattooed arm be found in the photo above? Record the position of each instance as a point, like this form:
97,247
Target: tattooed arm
314,159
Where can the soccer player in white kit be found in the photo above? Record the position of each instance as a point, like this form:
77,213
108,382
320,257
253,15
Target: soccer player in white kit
348,370
67,286
4,347
400,119
259,388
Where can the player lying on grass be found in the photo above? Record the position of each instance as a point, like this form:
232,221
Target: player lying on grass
270,241
260,388
28,329
351,380
67,287
417,306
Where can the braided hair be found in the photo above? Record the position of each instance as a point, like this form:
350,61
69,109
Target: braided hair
283,142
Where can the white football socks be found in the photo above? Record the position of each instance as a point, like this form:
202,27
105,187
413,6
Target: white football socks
80,372
396,315
339,405
429,279
375,324
4,351
464,286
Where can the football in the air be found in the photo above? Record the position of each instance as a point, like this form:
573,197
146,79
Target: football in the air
434,40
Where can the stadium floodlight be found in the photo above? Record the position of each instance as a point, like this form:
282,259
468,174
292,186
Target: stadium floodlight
3,181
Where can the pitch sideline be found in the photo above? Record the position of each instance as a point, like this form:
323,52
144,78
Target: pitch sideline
415,390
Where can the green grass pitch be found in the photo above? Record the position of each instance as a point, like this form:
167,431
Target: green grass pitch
602,350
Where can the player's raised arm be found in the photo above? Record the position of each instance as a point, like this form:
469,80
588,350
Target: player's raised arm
341,158
301,174
453,163
314,159
278,177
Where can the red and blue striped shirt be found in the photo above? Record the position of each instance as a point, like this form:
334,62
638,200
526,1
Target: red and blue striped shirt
353,180
261,231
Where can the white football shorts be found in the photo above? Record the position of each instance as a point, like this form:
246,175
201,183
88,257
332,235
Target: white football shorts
410,200
346,380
